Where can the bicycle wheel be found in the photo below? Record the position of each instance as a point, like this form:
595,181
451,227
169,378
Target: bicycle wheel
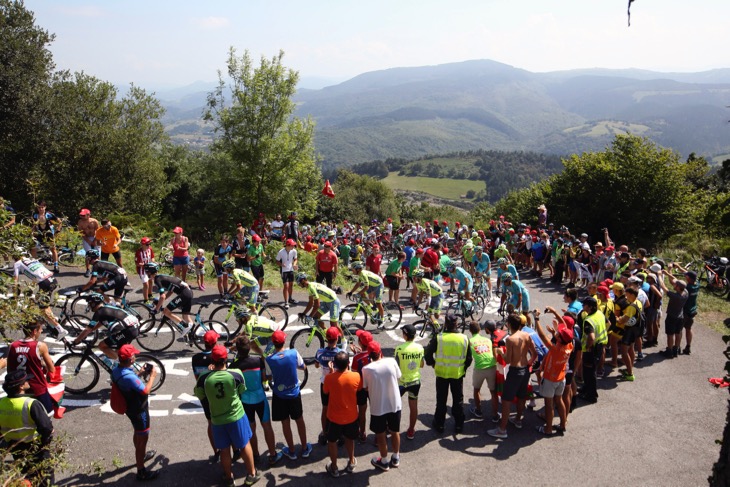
79,306
156,337
354,313
80,373
144,358
199,332
75,324
303,376
717,285
141,311
275,313
393,315
478,308
424,328
225,314
307,342
70,259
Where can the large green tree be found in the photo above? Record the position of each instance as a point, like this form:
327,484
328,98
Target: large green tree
265,158
358,199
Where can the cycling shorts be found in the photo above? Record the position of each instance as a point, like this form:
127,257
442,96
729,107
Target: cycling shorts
260,409
121,334
466,285
184,300
332,308
525,302
250,294
377,291
140,421
117,283
434,305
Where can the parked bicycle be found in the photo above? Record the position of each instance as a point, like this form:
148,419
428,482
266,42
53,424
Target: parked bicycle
157,336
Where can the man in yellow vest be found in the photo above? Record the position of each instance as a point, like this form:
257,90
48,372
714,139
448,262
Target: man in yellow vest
593,339
23,420
449,355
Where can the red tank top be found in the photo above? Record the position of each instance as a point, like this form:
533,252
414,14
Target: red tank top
23,355
178,250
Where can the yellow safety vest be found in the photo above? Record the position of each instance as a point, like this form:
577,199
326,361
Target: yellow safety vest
598,321
451,352
16,425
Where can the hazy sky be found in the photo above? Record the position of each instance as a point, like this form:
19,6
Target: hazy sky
174,43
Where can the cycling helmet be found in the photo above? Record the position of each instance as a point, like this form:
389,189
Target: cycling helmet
95,298
723,260
92,254
228,264
501,261
301,277
357,266
507,276
452,267
478,248
418,274
474,234
152,267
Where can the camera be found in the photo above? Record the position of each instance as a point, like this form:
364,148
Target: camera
148,368
546,311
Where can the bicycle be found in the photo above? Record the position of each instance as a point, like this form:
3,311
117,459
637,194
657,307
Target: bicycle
139,309
427,322
714,272
229,313
481,288
269,349
504,303
363,308
463,308
80,370
308,340
157,337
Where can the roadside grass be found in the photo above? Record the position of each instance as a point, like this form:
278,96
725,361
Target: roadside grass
714,312
450,189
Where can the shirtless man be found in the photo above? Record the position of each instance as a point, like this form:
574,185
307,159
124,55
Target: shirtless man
87,227
519,346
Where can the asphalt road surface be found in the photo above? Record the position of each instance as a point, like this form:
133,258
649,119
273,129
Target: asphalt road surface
659,430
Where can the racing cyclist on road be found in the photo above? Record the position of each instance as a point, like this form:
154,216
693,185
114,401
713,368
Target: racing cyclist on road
167,286
483,266
258,328
432,289
466,282
123,327
520,297
111,275
242,283
371,284
322,300
39,274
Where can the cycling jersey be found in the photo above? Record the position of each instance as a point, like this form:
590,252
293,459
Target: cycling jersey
501,253
370,279
427,286
110,316
32,269
321,292
324,356
461,275
243,278
107,270
260,326
251,367
173,284
44,222
511,269
483,265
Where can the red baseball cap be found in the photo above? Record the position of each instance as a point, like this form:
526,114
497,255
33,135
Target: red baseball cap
328,244
278,337
127,351
211,337
419,251
603,290
411,242
374,347
256,238
84,211
569,321
376,247
566,334
290,242
177,230
364,336
219,353
145,241
332,333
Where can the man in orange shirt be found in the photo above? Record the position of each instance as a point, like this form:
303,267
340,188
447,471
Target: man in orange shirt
342,385
108,238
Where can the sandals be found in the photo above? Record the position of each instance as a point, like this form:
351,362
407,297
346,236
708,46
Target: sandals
541,430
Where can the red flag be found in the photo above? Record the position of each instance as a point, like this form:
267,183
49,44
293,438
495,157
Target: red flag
327,190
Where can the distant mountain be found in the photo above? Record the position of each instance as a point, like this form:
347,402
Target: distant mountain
483,104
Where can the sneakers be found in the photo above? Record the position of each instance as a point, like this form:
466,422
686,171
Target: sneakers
202,287
626,377
477,413
640,356
60,333
497,433
495,418
322,439
236,455
286,305
394,462
332,470
275,459
149,455
516,422
87,273
215,457
307,451
293,302
288,453
380,463
668,353
351,466
55,268
411,433
687,351
252,479
144,474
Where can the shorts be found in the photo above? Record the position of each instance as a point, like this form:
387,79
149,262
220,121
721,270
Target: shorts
257,271
478,377
392,282
200,271
48,285
117,255
466,285
219,271
124,336
47,401
689,320
286,407
377,291
184,260
335,431
411,389
362,397
250,294
143,276
260,409
550,389
525,303
236,434
332,308
651,315
673,325
43,236
87,246
325,398
515,385
118,284
287,276
631,333
184,300
435,304
140,421
615,331
391,421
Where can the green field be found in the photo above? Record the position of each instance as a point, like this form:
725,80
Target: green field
450,189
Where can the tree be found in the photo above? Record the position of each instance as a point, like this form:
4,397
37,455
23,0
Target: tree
358,199
266,159
26,65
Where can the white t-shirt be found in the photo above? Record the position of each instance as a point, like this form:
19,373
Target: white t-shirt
381,380
287,259
277,227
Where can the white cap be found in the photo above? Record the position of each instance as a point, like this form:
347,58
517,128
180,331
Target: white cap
655,268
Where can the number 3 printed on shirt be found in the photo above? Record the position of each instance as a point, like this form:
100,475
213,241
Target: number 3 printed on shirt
221,392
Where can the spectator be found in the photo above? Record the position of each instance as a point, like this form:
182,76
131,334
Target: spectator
201,363
690,309
259,225
675,313
45,227
288,264
199,264
344,252
291,228
393,276
108,238
277,228
594,339
87,227
180,253
630,313
360,360
374,260
323,357
256,255
326,264
450,355
380,378
571,299
341,386
410,358
143,255
239,249
220,254
286,399
135,391
485,369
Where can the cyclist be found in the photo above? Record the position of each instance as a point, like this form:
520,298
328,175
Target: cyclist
123,327
322,300
466,282
483,266
372,284
430,288
112,275
167,286
45,227
257,328
520,297
242,283
38,273
505,266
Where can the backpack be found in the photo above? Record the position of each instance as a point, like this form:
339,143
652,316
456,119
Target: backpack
353,251
117,400
640,318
